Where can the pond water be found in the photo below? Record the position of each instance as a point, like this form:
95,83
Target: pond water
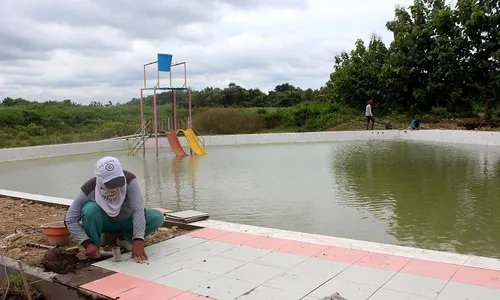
427,195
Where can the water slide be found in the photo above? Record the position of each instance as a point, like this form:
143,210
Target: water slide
174,143
193,142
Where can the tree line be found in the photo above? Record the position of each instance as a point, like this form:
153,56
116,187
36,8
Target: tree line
442,57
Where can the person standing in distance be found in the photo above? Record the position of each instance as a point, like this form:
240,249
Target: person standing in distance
112,202
369,114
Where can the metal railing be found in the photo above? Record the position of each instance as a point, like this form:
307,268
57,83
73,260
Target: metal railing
199,137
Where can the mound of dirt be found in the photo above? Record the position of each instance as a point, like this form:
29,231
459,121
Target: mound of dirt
59,261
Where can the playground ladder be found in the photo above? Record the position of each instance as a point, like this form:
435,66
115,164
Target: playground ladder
139,141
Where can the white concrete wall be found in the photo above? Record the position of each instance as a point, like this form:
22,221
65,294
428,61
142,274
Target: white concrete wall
277,138
452,136
444,136
60,149
36,197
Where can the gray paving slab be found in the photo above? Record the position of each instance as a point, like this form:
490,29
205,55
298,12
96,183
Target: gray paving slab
280,260
264,292
460,291
224,288
297,282
186,279
217,265
348,290
255,273
385,294
244,253
416,285
366,276
320,267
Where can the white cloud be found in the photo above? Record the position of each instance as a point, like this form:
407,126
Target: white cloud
86,50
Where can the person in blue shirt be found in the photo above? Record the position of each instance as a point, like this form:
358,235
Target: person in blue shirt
416,124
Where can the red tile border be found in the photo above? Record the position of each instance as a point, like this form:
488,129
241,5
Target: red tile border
268,243
236,238
477,276
383,261
207,233
304,249
150,291
431,269
114,284
125,287
343,255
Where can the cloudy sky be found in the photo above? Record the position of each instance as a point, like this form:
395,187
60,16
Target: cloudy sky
88,50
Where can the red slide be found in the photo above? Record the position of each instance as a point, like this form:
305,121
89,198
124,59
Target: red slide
174,143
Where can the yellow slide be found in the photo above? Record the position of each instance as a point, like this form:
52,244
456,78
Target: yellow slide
193,142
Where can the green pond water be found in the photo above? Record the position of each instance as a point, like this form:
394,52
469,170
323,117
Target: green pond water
427,195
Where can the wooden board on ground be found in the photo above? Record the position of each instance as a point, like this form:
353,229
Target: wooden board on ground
186,216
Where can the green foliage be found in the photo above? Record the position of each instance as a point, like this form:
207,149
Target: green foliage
441,57
278,118
228,121
320,115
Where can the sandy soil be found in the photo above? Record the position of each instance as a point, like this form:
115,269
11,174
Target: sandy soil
26,217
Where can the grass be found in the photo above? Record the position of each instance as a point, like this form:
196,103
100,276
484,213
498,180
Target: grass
14,281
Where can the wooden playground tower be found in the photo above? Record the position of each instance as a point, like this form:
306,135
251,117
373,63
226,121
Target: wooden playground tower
164,64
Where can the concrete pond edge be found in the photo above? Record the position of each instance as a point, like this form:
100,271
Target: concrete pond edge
470,137
397,250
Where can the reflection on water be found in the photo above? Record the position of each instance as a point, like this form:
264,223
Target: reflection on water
426,195
431,196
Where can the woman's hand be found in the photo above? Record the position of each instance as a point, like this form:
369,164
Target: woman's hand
92,251
138,252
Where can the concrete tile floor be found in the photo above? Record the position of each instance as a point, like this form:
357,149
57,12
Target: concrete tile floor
221,264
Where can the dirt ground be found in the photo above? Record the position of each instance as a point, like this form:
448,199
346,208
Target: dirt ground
15,290
458,124
21,295
26,217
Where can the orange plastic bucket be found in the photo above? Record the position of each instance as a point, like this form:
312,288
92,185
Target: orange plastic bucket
56,233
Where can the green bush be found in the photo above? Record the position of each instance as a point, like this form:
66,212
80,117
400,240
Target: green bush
261,111
495,117
278,118
228,121
320,115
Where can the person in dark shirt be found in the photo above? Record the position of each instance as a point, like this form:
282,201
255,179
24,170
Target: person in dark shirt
112,202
